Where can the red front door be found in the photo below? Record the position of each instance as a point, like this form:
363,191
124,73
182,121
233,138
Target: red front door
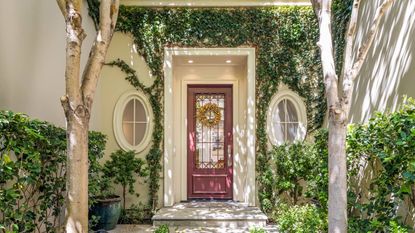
209,142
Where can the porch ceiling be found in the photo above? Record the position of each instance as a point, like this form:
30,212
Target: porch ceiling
209,60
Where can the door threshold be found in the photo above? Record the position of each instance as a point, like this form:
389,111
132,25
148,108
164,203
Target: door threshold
208,200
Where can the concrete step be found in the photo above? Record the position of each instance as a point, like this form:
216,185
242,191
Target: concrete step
210,214
184,229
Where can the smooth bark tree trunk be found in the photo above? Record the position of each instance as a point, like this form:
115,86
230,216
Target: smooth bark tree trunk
337,203
77,102
77,170
339,100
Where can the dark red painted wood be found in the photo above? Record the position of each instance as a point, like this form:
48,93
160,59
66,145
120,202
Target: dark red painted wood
209,183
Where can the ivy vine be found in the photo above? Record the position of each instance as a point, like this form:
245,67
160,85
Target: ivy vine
285,40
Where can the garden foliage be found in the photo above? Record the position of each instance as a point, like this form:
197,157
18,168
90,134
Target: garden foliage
32,172
381,178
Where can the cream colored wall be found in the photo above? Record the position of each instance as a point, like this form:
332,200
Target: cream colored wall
111,86
32,58
389,70
32,67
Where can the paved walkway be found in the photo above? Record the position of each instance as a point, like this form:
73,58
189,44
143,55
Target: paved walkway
149,228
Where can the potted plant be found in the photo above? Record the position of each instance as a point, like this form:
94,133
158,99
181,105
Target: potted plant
121,168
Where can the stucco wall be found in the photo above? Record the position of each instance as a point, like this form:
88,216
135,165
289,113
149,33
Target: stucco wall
389,70
111,86
32,58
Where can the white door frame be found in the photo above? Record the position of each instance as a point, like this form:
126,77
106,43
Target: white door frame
170,190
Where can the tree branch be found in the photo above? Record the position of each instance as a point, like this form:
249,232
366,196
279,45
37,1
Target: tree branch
323,10
107,22
350,36
316,7
62,7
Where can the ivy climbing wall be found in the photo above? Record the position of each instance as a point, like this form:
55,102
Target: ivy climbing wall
285,41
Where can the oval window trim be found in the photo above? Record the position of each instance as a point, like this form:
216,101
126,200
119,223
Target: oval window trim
300,109
118,121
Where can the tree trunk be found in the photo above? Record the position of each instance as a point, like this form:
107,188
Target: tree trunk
77,102
77,174
337,203
339,101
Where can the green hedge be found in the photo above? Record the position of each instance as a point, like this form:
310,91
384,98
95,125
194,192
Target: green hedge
32,172
381,176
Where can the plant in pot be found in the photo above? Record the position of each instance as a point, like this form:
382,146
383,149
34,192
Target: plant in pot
122,168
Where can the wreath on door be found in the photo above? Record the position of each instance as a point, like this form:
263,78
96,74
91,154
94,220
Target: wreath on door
209,115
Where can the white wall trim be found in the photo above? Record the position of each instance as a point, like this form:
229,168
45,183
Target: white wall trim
170,189
117,121
298,102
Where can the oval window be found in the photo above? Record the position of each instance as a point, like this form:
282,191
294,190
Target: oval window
132,121
286,118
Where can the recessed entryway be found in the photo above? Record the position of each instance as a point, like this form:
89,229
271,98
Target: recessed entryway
189,67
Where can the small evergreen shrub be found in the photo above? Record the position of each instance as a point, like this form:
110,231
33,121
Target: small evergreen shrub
300,219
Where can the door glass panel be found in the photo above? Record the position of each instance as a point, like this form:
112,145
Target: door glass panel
209,122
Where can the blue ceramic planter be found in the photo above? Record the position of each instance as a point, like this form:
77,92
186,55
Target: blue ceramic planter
108,211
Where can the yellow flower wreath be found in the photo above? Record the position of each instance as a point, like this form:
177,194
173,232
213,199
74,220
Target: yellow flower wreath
205,111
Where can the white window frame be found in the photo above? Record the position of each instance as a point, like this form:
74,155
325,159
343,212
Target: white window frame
299,107
118,121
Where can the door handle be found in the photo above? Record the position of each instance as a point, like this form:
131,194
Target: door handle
229,156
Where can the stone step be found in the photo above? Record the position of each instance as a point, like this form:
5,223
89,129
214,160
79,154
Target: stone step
210,214
184,229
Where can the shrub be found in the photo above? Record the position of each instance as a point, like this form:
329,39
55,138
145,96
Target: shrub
386,147
300,219
257,230
121,168
137,214
32,172
293,164
162,229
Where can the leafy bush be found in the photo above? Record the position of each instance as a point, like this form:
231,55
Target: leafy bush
385,147
32,172
295,167
257,230
381,159
317,182
121,168
293,163
136,214
300,219
162,229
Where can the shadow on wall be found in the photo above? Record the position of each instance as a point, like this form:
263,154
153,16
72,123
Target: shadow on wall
389,70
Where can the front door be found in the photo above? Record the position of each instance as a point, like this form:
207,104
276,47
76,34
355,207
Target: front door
209,142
